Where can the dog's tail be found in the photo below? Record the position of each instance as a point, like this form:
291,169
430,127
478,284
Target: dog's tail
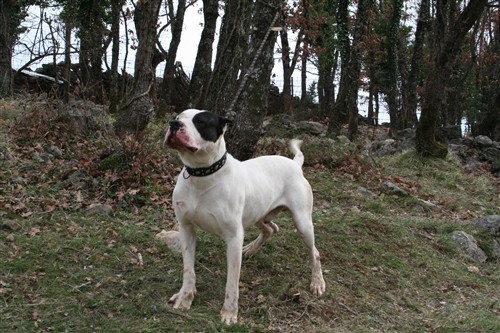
295,148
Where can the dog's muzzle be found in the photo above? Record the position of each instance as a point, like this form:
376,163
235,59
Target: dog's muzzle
176,137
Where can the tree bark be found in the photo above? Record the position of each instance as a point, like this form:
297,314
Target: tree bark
436,82
393,72
116,6
417,60
138,110
203,64
326,52
288,67
67,59
9,21
167,85
339,114
91,31
346,103
488,122
231,51
252,103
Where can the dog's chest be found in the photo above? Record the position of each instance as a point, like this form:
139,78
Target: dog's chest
208,209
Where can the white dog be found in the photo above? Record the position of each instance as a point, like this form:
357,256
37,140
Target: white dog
224,196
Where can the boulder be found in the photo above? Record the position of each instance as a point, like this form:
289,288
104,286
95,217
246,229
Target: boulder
99,209
489,223
392,188
313,127
482,141
495,249
467,246
9,225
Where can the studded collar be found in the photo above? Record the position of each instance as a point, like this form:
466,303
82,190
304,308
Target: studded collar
202,172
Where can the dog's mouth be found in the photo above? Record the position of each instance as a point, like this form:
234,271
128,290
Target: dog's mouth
176,140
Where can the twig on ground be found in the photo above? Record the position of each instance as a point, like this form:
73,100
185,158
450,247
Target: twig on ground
349,309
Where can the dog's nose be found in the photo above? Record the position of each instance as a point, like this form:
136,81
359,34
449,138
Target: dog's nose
175,125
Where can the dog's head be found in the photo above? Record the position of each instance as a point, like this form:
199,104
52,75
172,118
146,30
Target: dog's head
194,131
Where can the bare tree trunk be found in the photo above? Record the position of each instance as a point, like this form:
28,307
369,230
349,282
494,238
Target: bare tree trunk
339,114
393,71
305,55
91,47
115,52
138,110
326,75
231,51
67,59
203,65
289,67
435,85
325,45
167,85
346,103
488,82
9,21
252,103
410,102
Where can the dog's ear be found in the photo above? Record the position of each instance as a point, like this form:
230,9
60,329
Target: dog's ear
224,122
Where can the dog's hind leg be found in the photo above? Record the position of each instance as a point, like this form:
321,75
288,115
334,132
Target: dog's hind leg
267,229
303,223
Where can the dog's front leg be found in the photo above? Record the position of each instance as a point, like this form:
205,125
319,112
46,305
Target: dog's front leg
229,312
183,299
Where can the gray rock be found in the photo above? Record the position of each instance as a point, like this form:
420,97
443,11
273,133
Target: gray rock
489,223
99,209
404,135
38,158
491,155
53,150
385,147
77,180
467,246
428,204
46,157
483,141
10,225
495,252
20,180
366,192
392,188
343,139
313,127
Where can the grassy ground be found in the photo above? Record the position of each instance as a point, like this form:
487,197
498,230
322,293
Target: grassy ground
388,261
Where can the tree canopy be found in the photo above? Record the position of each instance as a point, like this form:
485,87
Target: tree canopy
429,63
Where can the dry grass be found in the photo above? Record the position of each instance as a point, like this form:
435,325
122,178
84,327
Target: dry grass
388,262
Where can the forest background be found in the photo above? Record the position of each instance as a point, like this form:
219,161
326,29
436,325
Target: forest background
440,57
86,183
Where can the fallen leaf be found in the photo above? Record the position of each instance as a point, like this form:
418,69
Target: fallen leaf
34,231
473,269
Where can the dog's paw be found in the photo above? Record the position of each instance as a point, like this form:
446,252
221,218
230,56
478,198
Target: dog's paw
229,317
182,300
318,286
249,249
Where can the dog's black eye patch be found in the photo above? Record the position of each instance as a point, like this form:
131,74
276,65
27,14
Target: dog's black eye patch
209,125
